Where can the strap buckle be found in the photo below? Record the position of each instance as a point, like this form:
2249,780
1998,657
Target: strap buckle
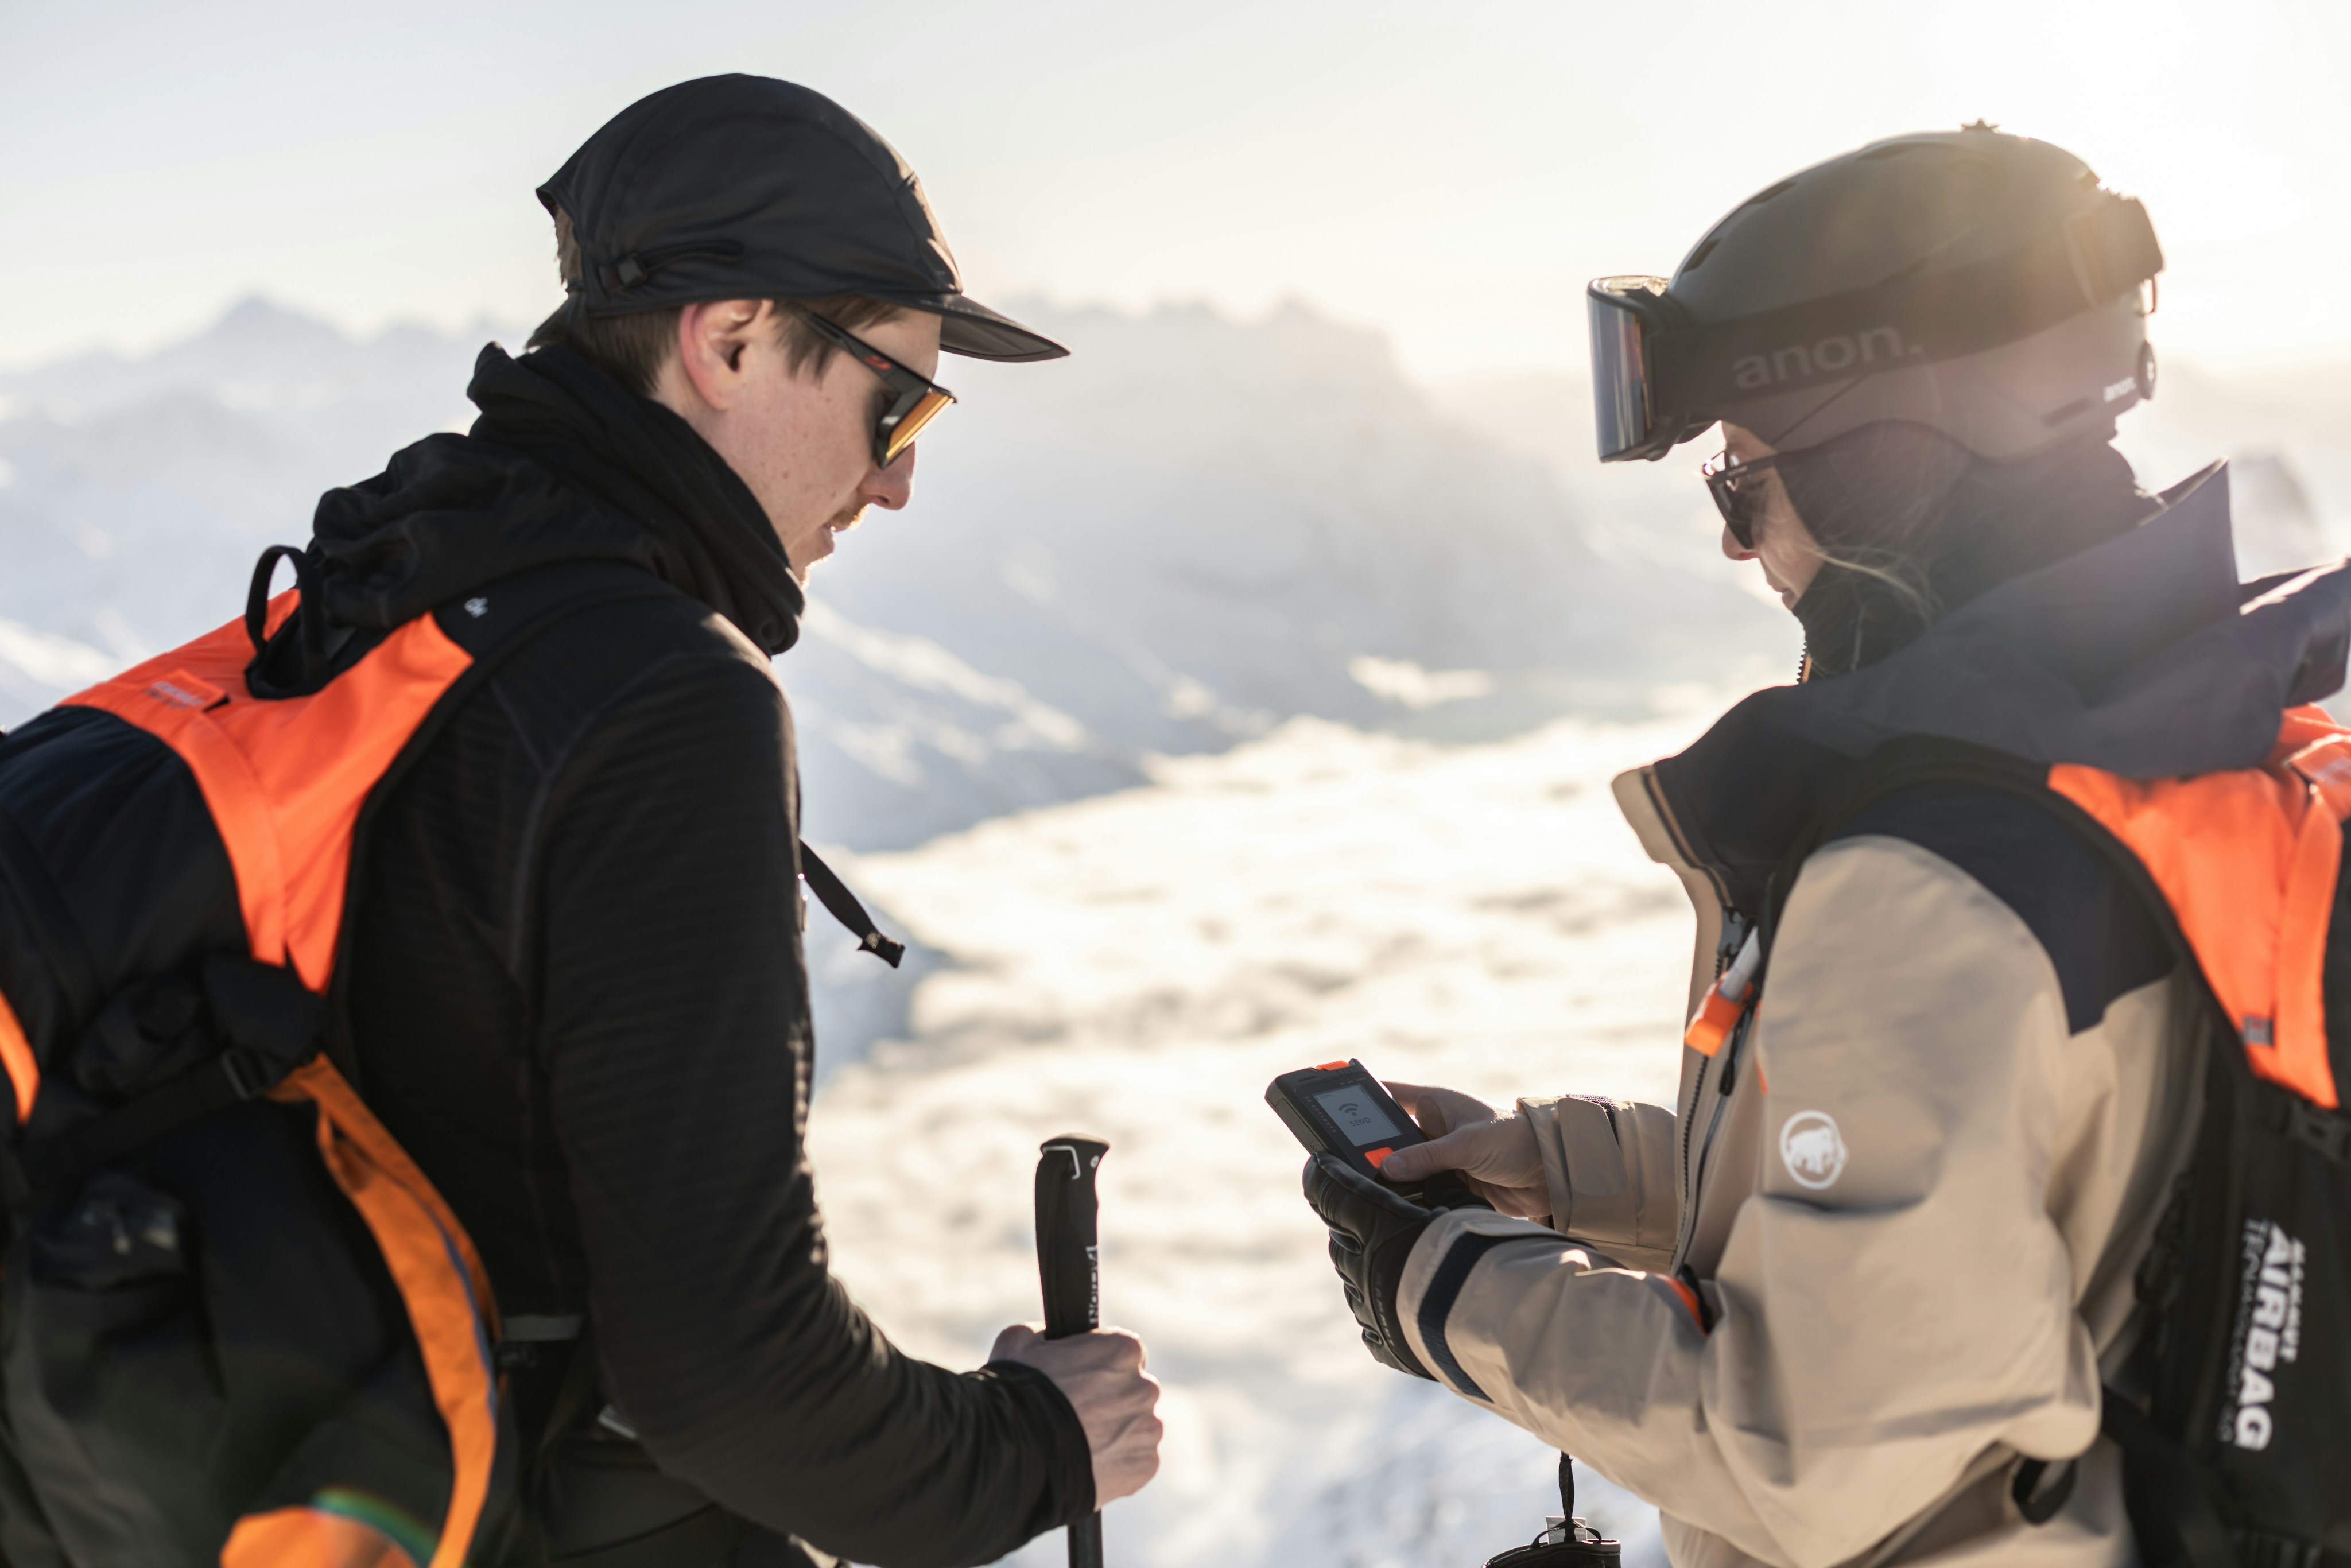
2038,1503
2307,1124
249,1074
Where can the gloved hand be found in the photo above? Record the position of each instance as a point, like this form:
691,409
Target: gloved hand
1373,1229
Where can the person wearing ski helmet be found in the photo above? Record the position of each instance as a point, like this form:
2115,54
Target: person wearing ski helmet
1864,1292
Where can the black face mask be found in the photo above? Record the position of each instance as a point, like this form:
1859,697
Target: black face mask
1913,526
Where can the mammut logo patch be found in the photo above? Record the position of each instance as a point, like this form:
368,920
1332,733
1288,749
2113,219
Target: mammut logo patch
1813,1149
478,607
2269,1332
1830,356
181,689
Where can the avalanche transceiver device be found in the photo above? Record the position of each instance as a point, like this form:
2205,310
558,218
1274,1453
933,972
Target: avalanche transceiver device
1339,1108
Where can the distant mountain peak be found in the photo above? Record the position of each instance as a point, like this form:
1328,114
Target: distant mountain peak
257,320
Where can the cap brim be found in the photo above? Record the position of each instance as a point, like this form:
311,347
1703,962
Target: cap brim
969,327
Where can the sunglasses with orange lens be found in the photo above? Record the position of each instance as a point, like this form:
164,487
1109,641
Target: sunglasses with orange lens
915,402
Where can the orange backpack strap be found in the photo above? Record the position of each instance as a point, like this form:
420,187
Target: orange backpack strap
17,1056
438,1274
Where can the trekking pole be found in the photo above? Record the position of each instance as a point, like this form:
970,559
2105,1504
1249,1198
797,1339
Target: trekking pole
1069,1266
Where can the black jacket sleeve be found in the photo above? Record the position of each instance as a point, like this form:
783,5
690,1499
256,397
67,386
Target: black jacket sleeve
674,1030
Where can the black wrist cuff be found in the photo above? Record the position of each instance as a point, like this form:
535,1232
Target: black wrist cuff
1072,1457
1385,1274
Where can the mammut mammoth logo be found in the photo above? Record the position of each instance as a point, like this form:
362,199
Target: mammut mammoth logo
1813,1149
1830,356
2269,1330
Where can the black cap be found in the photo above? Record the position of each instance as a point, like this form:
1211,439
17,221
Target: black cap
747,187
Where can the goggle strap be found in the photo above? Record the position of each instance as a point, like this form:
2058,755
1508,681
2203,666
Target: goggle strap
2097,256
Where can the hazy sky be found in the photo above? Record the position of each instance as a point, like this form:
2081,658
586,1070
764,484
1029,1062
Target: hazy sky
1451,171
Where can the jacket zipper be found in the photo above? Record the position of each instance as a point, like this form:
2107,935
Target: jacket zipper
1693,1172
1689,1193
1726,1081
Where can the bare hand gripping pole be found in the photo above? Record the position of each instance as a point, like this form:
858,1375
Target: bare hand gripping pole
1068,1263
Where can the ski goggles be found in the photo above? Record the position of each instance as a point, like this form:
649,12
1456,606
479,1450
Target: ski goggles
915,399
1623,312
1658,378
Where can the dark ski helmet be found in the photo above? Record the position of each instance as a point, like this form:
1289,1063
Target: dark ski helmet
1982,283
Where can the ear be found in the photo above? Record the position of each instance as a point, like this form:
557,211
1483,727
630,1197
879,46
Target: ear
710,340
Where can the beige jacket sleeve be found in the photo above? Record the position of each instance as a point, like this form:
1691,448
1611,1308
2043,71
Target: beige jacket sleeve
1893,1299
1609,1165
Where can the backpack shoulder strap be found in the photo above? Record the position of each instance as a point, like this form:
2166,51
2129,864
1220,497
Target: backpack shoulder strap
1903,763
1910,762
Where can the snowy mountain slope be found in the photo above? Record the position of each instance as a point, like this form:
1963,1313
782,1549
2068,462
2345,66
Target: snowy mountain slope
1194,526
140,491
1193,529
1141,965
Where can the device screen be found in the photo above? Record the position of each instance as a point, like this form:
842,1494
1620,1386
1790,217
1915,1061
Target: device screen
1359,1116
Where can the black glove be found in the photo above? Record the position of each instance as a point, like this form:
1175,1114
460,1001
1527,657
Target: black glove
1372,1228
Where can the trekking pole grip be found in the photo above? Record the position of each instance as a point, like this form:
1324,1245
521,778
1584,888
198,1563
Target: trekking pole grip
1068,1266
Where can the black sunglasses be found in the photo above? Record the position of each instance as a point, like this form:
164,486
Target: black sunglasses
917,403
1738,492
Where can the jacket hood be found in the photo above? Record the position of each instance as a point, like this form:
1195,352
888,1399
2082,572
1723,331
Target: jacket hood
2143,656
563,466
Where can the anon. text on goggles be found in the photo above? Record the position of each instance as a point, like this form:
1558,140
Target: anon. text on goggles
915,399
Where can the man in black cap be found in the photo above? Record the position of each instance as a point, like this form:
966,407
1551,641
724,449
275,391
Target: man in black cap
577,988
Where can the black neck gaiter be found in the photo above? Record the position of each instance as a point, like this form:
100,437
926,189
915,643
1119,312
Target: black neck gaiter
714,541
1913,526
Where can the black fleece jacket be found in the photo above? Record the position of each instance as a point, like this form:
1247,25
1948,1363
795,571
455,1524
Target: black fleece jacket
576,990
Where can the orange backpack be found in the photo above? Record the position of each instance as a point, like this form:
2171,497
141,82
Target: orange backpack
239,1326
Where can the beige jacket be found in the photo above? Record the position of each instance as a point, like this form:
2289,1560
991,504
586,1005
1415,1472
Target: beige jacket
1914,1209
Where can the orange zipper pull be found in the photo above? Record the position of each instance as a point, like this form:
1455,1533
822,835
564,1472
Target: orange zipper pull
1726,1000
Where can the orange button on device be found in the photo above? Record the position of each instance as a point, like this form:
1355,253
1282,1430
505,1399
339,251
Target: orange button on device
1377,1157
